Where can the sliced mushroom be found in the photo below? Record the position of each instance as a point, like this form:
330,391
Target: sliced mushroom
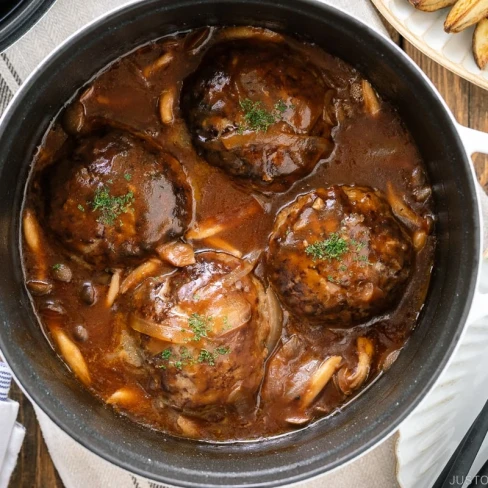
32,232
178,254
113,289
402,211
166,104
39,288
74,118
216,242
88,293
390,359
245,32
160,63
124,396
188,427
144,270
371,102
419,239
71,354
347,380
62,272
319,380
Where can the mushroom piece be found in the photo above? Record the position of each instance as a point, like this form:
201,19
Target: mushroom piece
124,396
62,272
113,289
71,354
32,231
139,274
319,379
222,245
245,32
160,63
39,288
348,380
188,427
178,254
402,211
371,102
166,104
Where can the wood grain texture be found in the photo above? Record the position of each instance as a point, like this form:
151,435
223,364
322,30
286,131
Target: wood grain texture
470,107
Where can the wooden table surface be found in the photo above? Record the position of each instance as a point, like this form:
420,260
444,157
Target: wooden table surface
469,105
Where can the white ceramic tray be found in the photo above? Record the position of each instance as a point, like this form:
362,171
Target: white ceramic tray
425,30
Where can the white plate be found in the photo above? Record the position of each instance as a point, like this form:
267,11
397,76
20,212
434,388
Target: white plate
431,434
425,30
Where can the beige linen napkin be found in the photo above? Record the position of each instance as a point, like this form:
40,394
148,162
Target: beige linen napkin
78,467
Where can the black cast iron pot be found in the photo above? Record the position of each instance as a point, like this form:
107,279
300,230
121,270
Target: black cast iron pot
371,417
17,17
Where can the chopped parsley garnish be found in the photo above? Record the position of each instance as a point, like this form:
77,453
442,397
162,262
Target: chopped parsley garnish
178,364
281,106
200,325
342,267
206,357
258,118
57,267
225,321
331,279
166,354
109,206
222,350
128,176
331,248
81,208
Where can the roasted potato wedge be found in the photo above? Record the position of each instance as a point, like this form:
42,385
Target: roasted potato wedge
431,5
465,13
480,44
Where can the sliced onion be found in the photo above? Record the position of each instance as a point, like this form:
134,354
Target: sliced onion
226,281
140,273
171,330
231,312
196,40
275,319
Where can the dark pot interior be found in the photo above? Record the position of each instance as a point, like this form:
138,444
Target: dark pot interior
17,17
372,416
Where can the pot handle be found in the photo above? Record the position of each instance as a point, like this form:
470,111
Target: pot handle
477,141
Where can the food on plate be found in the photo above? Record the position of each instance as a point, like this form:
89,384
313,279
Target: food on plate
480,43
431,5
465,13
227,234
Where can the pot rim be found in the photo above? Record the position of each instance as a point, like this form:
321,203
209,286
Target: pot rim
18,22
382,433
